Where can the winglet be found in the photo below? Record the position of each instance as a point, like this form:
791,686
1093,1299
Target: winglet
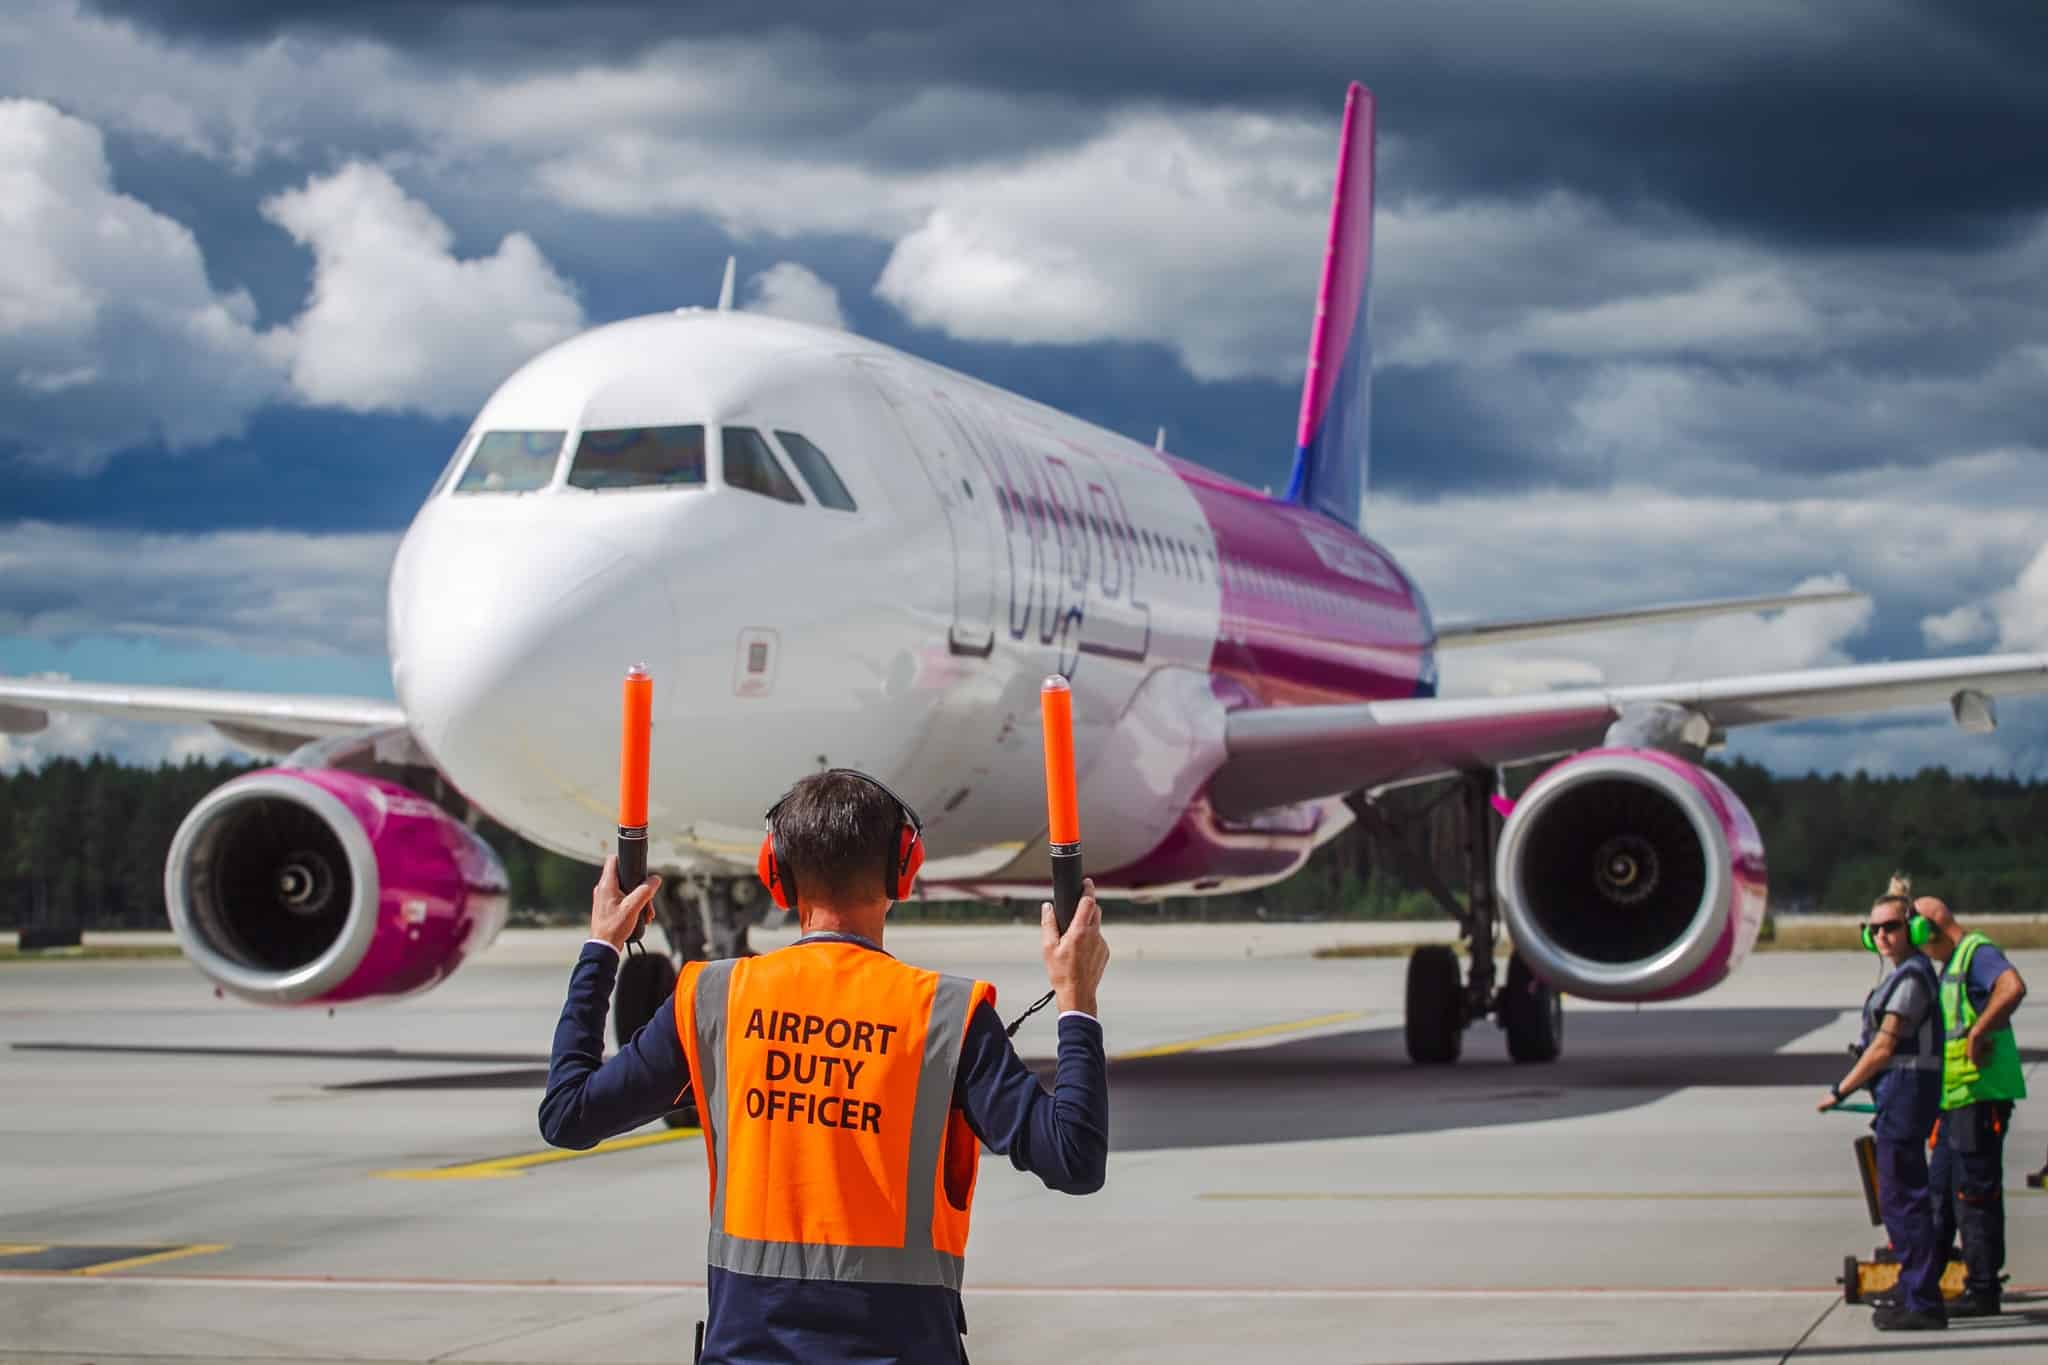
1333,442
725,289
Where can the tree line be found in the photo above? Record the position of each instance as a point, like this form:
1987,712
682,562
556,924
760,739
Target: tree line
84,843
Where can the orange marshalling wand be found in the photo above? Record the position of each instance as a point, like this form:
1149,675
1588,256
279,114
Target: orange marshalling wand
1062,810
634,737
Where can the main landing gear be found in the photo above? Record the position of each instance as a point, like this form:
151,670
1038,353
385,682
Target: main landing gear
1442,1002
702,918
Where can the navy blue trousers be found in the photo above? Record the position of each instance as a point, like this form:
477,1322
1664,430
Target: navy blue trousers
1966,1175
1903,1198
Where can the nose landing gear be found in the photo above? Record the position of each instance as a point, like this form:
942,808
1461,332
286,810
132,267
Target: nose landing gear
1441,1005
702,918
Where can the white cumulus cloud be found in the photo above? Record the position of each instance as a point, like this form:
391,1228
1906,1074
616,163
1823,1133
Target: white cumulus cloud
396,321
260,591
1964,625
1200,233
111,335
788,290
2023,608
75,735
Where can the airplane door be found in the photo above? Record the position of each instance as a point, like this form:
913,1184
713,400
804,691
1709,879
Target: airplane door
941,444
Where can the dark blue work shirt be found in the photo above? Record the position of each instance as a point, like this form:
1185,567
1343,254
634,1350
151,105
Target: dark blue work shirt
1061,1137
1908,1092
1987,964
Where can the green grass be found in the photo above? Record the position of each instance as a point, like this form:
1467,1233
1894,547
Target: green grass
1787,936
92,953
1791,936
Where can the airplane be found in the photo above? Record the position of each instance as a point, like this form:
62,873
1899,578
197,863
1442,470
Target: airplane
830,553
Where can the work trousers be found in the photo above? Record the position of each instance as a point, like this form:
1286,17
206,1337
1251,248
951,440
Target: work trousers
1902,1197
1966,1175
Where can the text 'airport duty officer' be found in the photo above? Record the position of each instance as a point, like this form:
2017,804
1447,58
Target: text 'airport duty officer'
1900,1059
1981,1078
844,1095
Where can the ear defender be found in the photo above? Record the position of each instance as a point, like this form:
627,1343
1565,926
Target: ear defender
900,864
769,869
1919,930
909,859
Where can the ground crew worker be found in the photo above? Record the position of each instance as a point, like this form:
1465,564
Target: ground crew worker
1981,1078
1900,1059
841,1091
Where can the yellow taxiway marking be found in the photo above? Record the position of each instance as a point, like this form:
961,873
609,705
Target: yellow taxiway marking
1242,1035
498,1168
22,1248
502,1167
1519,1197
153,1258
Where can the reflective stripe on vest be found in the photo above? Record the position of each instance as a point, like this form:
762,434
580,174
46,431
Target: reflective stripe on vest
832,1131
1929,1057
2001,1077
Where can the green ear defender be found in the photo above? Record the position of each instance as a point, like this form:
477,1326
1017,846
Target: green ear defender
1918,929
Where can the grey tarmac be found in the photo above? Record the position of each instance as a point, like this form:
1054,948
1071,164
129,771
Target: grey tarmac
190,1179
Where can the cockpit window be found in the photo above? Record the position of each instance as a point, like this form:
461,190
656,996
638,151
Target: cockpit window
454,463
511,462
639,457
817,471
750,464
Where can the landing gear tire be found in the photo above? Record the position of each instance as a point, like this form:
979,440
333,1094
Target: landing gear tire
1436,1006
1533,1014
645,980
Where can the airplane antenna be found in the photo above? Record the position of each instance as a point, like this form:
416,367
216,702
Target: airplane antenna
1159,441
725,288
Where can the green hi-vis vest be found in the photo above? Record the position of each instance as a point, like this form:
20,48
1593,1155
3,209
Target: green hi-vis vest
1962,1080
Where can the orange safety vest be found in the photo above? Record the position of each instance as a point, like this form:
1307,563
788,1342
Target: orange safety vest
824,1081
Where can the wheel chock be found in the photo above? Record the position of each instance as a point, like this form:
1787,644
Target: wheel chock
1861,1279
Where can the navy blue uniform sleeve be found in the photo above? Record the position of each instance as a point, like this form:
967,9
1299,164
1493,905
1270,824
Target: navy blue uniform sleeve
590,1099
1062,1137
1987,964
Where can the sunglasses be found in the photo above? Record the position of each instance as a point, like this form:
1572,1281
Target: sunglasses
1885,926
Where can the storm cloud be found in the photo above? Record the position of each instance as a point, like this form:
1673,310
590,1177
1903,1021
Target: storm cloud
1671,301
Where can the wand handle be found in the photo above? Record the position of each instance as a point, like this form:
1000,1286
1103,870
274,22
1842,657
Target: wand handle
1062,808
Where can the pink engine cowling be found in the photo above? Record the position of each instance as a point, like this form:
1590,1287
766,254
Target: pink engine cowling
318,887
1629,874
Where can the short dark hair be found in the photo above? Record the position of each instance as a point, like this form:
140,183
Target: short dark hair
835,833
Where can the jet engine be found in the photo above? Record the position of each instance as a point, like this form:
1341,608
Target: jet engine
317,886
1629,874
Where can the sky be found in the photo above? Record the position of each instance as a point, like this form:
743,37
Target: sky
1672,301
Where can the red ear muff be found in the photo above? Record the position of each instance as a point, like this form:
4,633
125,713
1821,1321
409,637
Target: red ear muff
769,869
899,870
909,861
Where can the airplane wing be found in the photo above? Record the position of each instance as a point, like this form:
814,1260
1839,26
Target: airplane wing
1282,754
1466,634
265,722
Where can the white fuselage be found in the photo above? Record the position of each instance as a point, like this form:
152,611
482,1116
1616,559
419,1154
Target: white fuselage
995,541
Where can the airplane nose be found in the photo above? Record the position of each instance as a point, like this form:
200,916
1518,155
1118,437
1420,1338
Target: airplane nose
507,658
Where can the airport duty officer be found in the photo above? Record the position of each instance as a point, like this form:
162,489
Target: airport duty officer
1900,1058
844,1094
1981,1078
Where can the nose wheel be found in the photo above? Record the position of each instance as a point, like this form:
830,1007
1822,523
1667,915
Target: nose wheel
1436,1019
1443,999
647,979
1532,1013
